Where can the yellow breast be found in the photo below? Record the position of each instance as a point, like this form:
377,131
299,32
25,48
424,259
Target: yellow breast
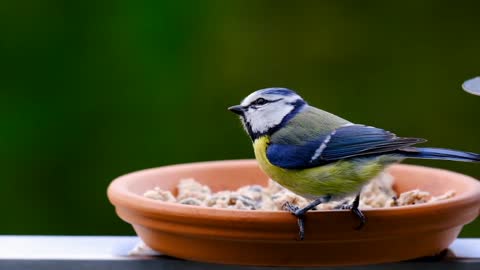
260,147
280,175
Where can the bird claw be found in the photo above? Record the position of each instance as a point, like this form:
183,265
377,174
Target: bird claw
353,207
291,208
343,206
295,210
360,216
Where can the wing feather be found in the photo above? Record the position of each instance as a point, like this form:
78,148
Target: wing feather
344,142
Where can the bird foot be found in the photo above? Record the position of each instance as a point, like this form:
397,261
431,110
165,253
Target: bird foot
356,212
296,211
353,207
360,216
344,206
293,209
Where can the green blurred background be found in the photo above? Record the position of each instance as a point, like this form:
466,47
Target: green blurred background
91,90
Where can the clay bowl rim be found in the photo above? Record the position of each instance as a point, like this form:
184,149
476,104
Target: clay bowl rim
120,196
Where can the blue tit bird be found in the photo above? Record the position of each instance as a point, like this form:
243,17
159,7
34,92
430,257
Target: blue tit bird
319,155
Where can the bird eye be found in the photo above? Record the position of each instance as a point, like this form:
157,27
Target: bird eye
259,101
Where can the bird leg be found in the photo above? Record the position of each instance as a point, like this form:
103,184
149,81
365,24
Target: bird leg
300,212
354,208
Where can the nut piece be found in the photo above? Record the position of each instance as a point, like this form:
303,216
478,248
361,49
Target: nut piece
189,188
411,197
159,194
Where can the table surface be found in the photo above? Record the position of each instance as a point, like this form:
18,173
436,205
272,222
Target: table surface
112,252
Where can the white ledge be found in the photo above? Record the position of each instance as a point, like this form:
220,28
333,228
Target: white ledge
112,252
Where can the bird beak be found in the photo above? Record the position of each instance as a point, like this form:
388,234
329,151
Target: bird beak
238,109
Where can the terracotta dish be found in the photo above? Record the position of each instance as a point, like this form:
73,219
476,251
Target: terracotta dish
249,237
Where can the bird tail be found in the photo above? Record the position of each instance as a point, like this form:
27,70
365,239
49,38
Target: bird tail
441,153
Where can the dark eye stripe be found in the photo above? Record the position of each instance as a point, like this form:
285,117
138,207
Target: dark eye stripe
262,101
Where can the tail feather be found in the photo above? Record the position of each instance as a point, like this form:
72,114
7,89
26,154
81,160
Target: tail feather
441,153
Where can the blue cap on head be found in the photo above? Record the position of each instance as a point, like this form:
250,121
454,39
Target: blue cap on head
279,91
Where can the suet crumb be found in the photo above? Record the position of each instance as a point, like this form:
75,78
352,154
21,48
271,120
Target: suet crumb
378,193
159,194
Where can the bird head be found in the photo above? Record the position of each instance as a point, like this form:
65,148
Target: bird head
265,111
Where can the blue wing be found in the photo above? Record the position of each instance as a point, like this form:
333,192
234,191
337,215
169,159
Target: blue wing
344,142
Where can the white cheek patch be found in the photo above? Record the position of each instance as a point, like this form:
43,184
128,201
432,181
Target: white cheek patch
262,119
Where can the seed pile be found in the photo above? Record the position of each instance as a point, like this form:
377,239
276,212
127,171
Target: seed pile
378,193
